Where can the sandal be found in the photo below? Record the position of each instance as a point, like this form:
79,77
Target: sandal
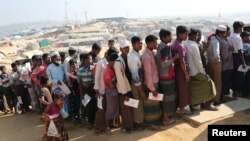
186,112
113,126
211,108
171,121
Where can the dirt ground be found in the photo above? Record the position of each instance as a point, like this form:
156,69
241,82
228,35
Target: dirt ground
29,127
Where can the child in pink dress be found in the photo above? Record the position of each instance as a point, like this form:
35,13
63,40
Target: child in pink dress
52,112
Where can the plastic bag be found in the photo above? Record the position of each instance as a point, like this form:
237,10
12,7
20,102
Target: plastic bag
52,131
86,100
64,114
19,100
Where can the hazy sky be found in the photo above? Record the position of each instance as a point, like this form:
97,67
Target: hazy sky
16,11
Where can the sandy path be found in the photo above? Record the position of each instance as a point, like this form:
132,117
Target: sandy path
28,127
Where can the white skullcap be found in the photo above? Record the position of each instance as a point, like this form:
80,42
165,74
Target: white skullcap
123,44
72,48
222,28
54,53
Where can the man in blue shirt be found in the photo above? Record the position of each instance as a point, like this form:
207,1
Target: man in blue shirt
246,45
55,70
57,76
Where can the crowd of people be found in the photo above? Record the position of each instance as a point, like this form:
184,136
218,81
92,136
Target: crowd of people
187,71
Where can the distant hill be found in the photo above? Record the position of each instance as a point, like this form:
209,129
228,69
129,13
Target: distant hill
239,16
227,17
15,28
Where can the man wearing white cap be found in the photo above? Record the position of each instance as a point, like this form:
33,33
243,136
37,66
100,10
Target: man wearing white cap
55,70
123,76
226,51
214,60
57,76
66,66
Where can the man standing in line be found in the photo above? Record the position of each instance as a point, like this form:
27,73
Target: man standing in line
238,59
135,67
214,59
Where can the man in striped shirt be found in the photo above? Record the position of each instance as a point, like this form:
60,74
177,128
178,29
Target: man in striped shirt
86,82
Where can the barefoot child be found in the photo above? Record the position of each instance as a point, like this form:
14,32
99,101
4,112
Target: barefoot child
46,98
